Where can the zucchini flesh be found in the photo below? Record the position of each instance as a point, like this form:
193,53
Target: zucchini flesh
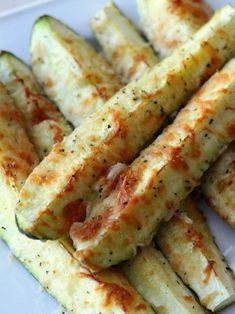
122,44
17,154
150,273
56,193
151,189
176,21
52,263
196,258
72,73
44,123
218,186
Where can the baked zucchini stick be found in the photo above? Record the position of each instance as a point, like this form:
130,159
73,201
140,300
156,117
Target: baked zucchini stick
122,44
164,174
72,73
55,194
186,17
50,262
169,23
187,302
150,273
196,258
218,186
44,123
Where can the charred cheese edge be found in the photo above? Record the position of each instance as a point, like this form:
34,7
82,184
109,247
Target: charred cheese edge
151,189
52,263
218,186
56,193
196,258
151,274
44,123
122,44
72,73
169,23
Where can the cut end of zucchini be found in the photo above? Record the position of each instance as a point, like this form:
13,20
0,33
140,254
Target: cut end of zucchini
150,273
190,249
45,125
218,186
72,73
122,43
169,23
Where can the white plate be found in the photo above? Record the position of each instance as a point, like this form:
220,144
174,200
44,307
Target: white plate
19,292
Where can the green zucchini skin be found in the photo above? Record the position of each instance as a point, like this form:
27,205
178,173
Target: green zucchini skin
72,73
44,123
122,44
176,22
190,248
151,274
151,189
67,176
218,186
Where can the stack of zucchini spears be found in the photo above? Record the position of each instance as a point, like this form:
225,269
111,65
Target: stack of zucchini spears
75,169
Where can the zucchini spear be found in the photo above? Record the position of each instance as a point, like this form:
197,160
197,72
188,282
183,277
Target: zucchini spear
52,263
73,74
169,23
56,193
150,273
122,44
44,123
151,189
218,186
187,17
196,258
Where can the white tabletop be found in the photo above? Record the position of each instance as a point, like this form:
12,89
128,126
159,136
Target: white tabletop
11,6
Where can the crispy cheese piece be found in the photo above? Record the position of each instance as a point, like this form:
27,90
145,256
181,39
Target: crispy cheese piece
122,44
218,186
169,23
44,123
196,258
52,263
73,74
151,189
151,274
56,193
